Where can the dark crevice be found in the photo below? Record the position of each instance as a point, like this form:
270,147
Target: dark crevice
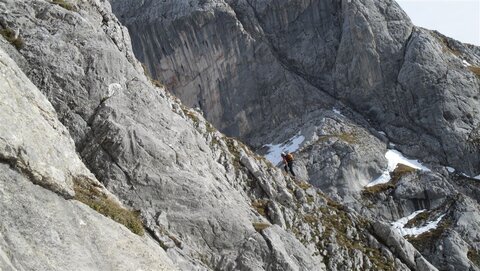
15,164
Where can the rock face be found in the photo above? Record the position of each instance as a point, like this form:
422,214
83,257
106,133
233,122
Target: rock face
251,65
207,202
40,228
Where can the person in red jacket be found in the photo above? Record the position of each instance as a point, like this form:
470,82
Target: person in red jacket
288,162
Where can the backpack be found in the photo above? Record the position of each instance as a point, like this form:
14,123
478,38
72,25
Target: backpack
289,157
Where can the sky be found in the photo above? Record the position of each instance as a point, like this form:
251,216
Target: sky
459,19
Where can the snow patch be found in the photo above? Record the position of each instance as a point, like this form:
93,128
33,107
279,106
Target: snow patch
337,111
476,177
382,133
274,151
394,158
399,225
450,169
465,63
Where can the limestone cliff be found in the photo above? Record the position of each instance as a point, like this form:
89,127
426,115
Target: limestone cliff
252,65
85,131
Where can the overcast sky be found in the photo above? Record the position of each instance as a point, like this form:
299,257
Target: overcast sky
459,19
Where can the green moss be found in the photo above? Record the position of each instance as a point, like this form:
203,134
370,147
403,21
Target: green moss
64,4
260,226
90,195
9,35
475,70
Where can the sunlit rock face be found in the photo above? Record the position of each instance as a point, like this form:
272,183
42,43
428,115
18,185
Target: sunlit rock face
252,65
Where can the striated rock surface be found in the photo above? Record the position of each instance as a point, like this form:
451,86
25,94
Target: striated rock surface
206,201
41,229
252,65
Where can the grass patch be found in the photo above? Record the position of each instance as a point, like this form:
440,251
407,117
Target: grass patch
475,70
418,220
310,219
446,46
154,82
395,176
261,206
350,138
376,189
90,195
423,241
64,4
304,185
191,115
210,128
233,148
473,256
260,226
10,36
157,83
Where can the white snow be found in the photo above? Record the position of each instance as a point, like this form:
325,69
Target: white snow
476,177
399,225
394,158
291,145
451,169
337,111
466,64
382,133
384,178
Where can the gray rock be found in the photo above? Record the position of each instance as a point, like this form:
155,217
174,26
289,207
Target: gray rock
275,213
404,250
289,256
28,123
194,186
238,60
124,128
41,231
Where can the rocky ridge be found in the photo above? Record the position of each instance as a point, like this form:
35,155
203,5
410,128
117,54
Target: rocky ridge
262,69
207,202
253,65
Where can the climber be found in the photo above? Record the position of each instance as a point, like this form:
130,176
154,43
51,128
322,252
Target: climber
288,162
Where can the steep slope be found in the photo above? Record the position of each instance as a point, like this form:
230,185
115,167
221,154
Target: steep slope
206,199
353,78
41,227
252,65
